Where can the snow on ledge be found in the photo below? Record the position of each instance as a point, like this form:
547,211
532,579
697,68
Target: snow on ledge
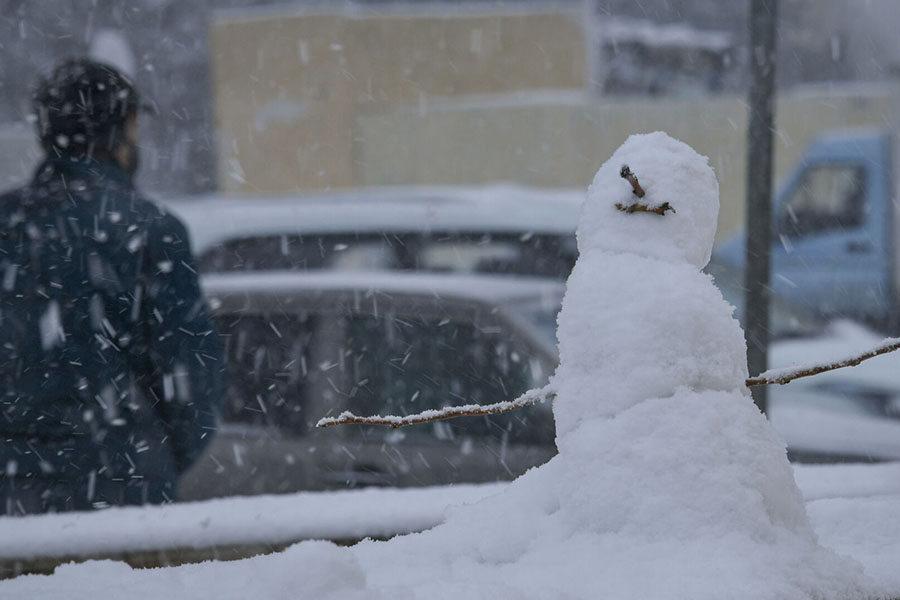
344,515
276,519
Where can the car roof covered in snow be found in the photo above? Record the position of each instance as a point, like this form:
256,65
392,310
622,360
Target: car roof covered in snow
497,209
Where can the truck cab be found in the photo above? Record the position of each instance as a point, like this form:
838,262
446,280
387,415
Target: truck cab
833,230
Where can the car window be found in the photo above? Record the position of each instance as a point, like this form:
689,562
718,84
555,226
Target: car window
282,364
518,254
403,365
543,318
521,253
269,369
291,252
828,197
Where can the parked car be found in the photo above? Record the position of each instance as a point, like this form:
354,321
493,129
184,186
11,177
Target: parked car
302,346
493,229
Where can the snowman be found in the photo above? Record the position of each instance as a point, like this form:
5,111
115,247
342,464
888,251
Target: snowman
660,440
669,483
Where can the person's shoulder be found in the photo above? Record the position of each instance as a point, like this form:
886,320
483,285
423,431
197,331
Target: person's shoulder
15,204
11,193
13,197
163,227
150,209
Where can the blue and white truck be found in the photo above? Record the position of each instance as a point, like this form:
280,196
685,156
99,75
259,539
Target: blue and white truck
836,231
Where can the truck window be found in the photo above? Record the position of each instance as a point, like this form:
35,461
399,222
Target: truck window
829,197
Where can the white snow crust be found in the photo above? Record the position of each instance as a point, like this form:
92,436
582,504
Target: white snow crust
256,520
669,484
855,510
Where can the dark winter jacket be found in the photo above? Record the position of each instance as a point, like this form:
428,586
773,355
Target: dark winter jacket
111,374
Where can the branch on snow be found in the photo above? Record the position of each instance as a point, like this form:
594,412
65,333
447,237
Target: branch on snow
782,376
633,208
450,412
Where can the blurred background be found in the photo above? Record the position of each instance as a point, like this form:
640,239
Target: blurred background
262,97
439,138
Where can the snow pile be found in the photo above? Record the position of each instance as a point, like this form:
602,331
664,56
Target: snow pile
668,484
856,509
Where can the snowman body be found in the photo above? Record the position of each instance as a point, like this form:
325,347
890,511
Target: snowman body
639,319
650,387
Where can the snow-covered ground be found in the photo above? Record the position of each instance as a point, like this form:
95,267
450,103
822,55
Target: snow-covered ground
854,509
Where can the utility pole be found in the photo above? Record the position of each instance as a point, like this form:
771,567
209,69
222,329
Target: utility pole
763,18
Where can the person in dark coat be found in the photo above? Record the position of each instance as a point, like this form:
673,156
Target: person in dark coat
111,373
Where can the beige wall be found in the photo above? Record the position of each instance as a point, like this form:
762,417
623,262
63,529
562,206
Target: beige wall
319,100
288,88
563,145
545,146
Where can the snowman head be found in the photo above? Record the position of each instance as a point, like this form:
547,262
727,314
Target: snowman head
654,197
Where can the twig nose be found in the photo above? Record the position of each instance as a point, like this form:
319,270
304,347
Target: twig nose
636,188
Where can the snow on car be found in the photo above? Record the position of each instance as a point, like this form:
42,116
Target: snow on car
498,229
